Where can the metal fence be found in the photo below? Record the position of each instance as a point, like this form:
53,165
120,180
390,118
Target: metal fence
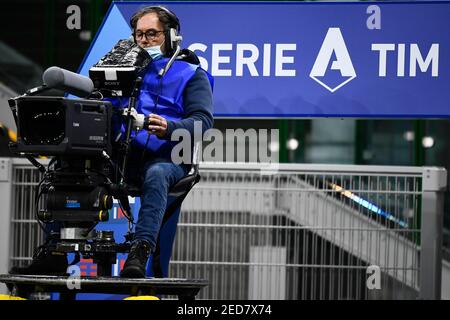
302,232
312,232
25,233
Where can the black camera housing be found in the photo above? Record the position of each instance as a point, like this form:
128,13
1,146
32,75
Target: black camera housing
54,126
115,73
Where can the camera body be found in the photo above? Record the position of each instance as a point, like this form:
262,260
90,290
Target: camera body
53,126
78,187
85,173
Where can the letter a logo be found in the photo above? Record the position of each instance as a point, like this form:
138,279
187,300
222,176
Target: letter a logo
330,79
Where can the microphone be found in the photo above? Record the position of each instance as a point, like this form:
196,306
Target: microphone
73,83
176,39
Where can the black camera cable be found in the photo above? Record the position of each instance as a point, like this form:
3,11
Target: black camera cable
36,202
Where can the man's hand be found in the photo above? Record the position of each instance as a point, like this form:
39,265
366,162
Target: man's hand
157,125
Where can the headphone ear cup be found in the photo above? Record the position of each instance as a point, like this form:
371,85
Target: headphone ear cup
169,40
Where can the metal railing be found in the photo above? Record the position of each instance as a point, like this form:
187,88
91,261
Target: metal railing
312,231
301,232
26,234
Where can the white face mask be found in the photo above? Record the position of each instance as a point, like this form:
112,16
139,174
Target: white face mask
155,52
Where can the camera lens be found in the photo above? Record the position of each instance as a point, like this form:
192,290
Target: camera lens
42,124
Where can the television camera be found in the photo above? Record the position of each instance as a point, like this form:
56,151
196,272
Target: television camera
89,164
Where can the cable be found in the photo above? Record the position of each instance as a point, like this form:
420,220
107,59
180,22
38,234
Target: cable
36,203
129,218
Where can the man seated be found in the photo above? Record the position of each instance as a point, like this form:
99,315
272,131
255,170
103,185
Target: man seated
176,100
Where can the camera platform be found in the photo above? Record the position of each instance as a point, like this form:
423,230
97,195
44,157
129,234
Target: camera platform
68,286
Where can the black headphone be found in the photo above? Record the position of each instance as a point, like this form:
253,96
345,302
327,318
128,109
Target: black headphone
171,27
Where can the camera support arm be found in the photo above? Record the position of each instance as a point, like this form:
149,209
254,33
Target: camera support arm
130,114
129,124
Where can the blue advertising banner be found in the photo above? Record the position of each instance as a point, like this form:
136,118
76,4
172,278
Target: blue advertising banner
297,59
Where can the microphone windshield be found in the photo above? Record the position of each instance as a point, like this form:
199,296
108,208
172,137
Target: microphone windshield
71,82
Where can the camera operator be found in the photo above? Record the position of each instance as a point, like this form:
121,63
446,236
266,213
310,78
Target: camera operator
175,100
